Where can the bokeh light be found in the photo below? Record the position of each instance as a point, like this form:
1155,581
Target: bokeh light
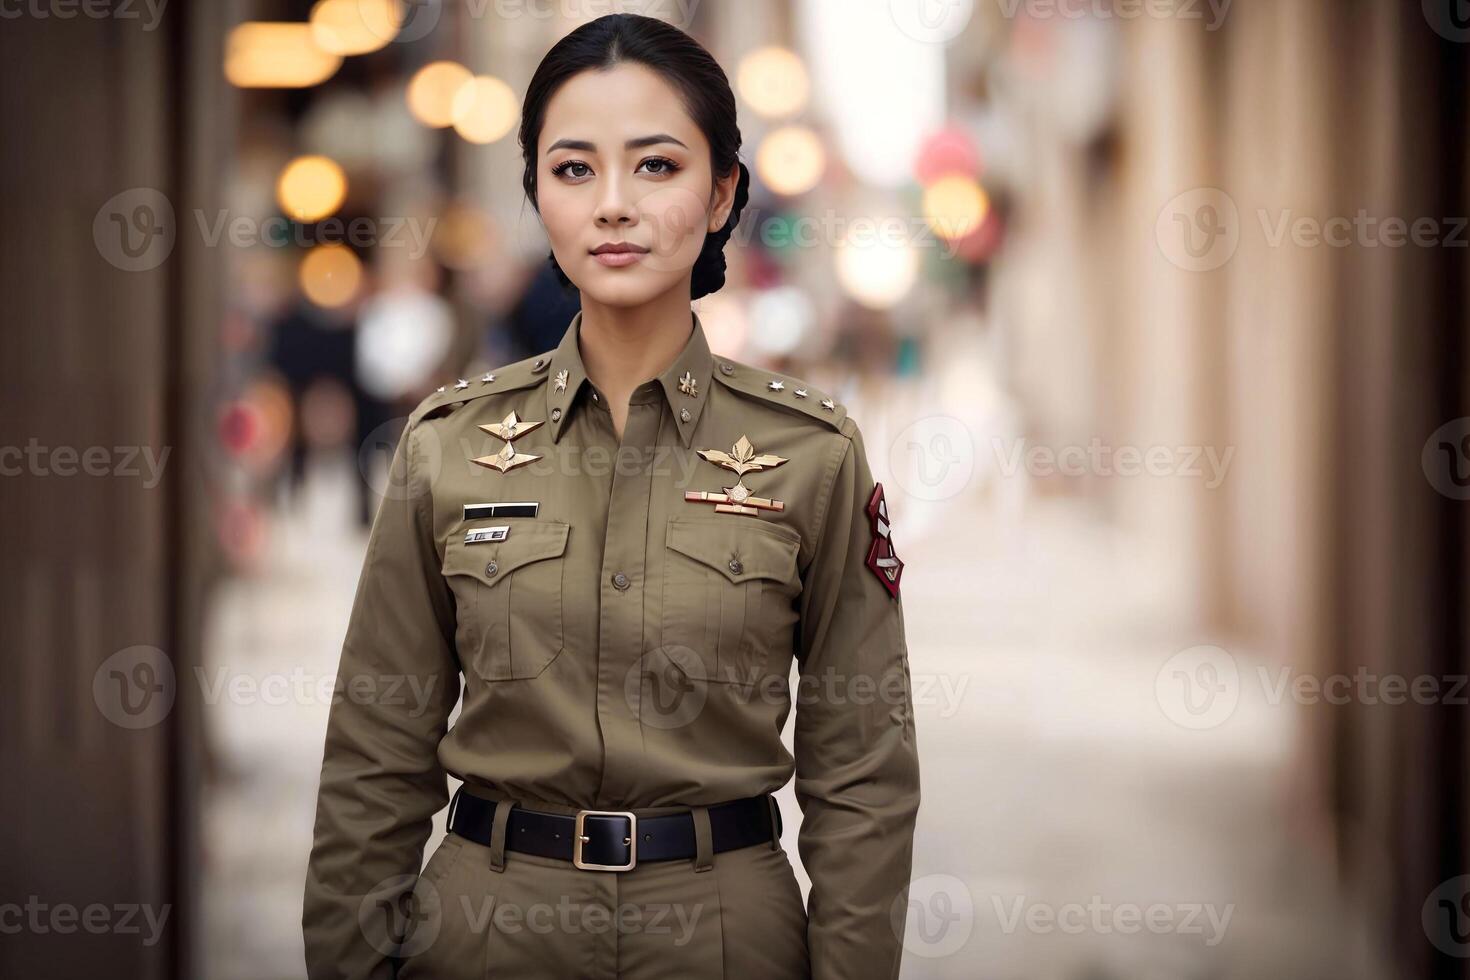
355,26
432,89
774,82
310,188
954,206
331,275
791,160
262,54
484,109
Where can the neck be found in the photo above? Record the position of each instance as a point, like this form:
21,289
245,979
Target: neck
622,347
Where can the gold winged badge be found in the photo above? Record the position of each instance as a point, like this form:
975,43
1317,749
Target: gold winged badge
738,499
508,428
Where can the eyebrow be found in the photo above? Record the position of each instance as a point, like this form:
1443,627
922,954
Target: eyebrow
632,144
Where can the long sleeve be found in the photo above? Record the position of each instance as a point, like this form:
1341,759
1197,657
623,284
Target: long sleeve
857,772
381,781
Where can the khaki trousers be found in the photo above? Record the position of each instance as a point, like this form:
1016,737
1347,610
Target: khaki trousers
483,911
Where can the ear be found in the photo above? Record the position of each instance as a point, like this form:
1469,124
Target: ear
724,199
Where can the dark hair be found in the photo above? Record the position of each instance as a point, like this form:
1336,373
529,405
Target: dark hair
687,67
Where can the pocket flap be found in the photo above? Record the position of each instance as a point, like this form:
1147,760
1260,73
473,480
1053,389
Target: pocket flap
525,544
738,548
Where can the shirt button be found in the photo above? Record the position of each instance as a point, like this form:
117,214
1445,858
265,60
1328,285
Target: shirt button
555,414
540,364
491,568
736,566
684,414
726,367
595,398
621,582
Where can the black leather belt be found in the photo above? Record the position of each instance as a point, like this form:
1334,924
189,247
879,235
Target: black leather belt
615,840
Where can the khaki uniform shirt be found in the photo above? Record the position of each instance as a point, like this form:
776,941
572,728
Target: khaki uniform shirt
625,646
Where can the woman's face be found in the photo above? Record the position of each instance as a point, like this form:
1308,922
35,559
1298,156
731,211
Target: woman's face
621,163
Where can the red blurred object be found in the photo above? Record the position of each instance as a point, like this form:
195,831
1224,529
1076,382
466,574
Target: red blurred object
947,151
239,428
982,243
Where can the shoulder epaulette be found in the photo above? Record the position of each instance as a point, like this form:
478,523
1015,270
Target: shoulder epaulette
446,398
780,389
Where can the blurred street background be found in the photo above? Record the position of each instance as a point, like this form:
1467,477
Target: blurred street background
1153,313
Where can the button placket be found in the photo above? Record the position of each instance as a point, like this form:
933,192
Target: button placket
620,619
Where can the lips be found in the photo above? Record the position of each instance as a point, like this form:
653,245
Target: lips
617,248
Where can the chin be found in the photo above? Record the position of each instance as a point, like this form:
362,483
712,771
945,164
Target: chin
615,287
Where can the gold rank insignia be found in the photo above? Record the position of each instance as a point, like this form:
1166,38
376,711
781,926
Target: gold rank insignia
509,428
738,499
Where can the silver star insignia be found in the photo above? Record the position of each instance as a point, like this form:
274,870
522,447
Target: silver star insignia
800,392
777,385
461,385
828,404
487,379
561,379
688,385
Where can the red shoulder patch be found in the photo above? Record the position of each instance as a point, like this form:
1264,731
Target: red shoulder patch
881,558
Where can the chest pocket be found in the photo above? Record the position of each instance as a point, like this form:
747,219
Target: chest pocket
508,599
729,591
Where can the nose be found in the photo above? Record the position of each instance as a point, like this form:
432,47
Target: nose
615,206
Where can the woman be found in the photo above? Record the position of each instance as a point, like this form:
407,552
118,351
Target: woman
622,544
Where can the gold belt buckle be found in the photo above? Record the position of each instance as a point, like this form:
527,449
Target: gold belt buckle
631,840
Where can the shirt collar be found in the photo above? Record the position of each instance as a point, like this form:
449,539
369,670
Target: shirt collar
685,382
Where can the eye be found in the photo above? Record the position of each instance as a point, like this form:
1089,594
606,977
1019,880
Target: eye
664,166
566,167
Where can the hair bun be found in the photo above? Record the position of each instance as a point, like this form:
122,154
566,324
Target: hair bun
709,269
